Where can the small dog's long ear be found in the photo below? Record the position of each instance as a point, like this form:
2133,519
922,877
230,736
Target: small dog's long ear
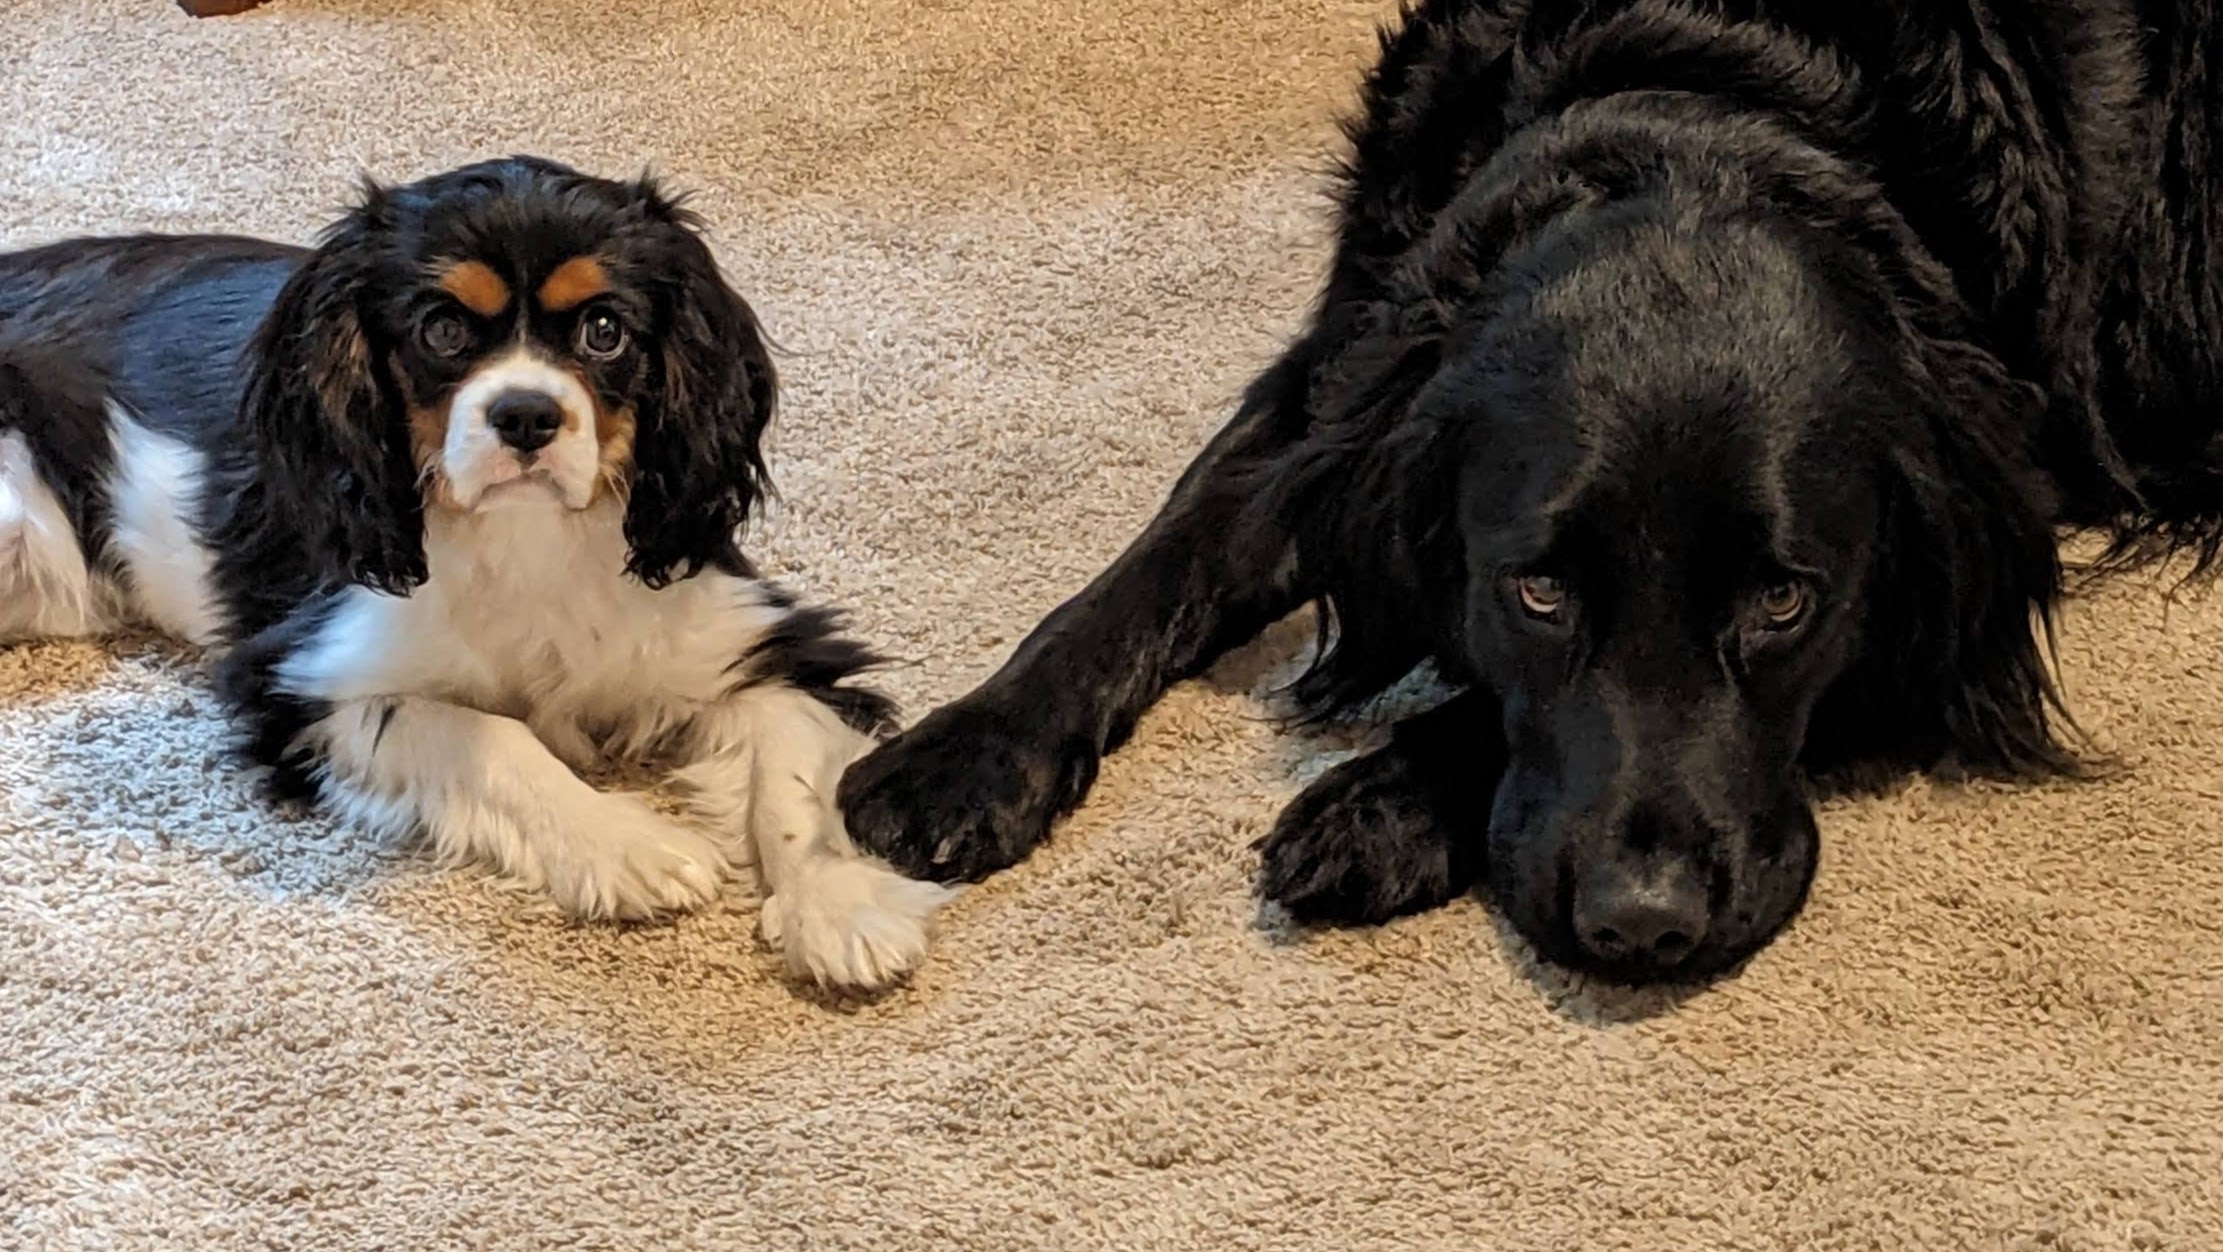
332,442
698,459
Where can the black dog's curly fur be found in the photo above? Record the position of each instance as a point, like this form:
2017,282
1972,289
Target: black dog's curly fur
1701,387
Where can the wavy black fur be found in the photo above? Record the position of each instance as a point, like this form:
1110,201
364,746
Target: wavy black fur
1670,304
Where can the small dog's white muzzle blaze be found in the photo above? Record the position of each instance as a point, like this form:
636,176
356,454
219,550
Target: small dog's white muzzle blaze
475,459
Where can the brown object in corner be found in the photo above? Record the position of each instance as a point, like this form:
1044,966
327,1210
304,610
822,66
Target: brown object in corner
216,8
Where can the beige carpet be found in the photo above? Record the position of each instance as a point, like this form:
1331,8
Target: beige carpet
1023,253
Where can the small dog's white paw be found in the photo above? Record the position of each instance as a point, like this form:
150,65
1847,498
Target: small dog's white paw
626,860
852,923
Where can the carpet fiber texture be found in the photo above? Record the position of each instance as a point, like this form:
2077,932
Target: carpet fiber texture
1021,256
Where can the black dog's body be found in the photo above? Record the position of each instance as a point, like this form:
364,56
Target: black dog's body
1698,386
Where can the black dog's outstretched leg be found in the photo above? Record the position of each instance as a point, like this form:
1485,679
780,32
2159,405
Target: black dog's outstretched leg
1396,831
975,785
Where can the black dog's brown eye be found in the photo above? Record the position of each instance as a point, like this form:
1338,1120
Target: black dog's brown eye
1784,603
444,334
1541,594
601,335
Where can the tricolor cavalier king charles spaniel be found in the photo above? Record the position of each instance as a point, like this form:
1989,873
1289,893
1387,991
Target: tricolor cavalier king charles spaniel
458,493
1698,388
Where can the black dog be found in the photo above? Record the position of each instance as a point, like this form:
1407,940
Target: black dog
1699,386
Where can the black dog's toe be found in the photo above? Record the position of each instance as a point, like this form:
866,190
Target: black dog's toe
1363,844
961,795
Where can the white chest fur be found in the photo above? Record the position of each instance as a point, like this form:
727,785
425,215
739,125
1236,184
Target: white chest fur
528,613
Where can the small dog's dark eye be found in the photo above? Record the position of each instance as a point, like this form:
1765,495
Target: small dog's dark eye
444,334
1784,604
1541,594
601,335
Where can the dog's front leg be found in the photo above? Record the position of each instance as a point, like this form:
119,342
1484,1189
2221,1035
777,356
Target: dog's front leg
976,785
764,763
1400,829
485,789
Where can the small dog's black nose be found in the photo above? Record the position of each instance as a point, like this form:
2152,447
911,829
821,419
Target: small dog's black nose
1647,916
525,420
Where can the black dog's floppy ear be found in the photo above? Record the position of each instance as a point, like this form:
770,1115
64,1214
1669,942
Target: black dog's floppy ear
1960,627
333,444
1369,496
698,460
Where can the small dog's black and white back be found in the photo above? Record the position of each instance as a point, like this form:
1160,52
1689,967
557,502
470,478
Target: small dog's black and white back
458,493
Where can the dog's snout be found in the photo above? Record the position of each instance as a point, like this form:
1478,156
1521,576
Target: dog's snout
1645,915
525,420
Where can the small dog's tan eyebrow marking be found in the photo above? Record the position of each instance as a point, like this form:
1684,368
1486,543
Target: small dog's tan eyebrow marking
478,287
573,283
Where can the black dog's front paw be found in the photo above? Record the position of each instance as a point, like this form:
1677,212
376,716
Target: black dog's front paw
966,792
1366,842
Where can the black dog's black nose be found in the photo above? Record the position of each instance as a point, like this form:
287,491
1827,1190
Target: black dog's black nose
1650,916
525,420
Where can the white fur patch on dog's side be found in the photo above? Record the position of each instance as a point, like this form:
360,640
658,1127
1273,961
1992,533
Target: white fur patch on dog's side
47,588
155,491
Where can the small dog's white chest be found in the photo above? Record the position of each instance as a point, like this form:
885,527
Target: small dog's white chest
533,617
